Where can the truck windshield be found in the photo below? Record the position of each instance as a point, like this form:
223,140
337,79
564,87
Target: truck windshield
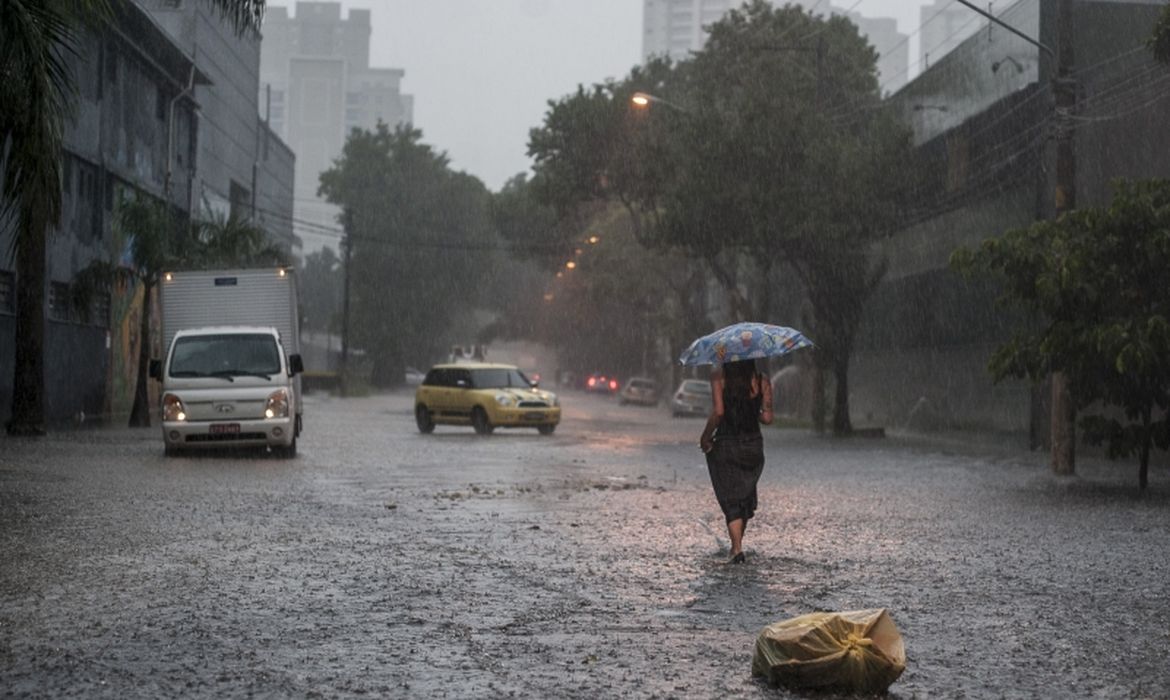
225,355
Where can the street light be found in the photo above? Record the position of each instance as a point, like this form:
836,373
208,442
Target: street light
642,100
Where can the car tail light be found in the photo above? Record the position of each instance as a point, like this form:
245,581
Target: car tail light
613,384
592,381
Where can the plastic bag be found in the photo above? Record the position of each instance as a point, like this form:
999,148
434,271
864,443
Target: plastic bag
857,651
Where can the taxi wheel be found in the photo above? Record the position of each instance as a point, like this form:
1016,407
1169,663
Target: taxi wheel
423,418
479,420
546,429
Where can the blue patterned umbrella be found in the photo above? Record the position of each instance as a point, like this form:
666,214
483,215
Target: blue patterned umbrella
743,341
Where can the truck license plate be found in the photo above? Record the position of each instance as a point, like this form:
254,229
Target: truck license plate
224,428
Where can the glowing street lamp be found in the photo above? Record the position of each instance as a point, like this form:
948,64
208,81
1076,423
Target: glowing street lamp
642,100
592,240
571,264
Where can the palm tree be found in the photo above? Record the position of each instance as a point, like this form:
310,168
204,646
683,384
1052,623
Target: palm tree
37,94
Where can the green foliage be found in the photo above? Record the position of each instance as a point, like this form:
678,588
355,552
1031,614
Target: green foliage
1100,279
422,246
322,285
766,149
1159,41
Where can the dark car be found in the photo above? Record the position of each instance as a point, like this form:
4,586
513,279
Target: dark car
640,390
692,398
602,383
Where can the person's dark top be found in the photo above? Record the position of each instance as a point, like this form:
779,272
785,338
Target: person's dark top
741,415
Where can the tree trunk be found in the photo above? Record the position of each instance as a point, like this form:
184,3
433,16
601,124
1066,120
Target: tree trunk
1144,465
841,424
1064,435
28,375
818,399
140,411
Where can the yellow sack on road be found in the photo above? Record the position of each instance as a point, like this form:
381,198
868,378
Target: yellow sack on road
859,651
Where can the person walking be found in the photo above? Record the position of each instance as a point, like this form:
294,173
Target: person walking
741,399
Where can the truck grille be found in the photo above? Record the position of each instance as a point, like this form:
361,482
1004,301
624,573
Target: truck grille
226,437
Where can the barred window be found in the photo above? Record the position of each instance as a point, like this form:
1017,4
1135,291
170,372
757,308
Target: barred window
7,292
60,307
99,310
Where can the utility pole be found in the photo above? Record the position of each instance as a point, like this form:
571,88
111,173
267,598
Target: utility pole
344,373
1063,431
1062,417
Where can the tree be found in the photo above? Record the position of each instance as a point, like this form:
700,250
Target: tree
422,245
1099,281
763,151
321,291
160,240
1159,41
37,95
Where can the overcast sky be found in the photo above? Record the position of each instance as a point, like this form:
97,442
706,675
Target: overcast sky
482,71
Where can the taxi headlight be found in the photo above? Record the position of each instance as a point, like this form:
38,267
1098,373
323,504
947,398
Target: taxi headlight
277,406
173,408
505,400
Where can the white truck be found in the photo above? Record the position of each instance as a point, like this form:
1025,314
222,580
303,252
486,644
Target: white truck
230,377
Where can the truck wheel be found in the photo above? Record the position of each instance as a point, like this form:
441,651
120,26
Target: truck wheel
286,452
479,420
547,429
172,450
422,417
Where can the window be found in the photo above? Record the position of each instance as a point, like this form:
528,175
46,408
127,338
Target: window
60,305
99,310
7,292
229,354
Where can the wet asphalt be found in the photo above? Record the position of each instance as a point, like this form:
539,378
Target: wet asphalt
384,563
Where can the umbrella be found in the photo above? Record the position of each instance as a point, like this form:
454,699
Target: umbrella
743,341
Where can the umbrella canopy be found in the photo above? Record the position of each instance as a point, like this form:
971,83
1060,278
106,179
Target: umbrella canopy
743,341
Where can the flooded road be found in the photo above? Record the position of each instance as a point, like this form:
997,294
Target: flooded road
384,563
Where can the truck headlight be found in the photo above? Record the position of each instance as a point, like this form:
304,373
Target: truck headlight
173,409
277,406
505,399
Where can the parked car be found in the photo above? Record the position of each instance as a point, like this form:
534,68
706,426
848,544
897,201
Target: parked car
639,390
413,377
692,398
602,383
484,396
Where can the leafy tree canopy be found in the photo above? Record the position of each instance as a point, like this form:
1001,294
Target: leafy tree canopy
422,246
1100,280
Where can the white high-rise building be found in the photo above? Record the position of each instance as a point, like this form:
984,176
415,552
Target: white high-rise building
678,27
317,83
945,24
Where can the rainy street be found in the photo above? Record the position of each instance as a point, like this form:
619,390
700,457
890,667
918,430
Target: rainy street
385,563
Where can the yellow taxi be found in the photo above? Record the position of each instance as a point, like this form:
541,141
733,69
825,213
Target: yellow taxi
484,396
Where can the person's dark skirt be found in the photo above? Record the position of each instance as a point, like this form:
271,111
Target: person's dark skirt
735,464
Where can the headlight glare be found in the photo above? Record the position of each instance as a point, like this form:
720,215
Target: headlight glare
173,409
505,399
277,406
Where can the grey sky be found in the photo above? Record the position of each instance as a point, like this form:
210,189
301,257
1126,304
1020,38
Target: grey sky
482,71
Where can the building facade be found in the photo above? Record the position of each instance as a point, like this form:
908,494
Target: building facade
242,168
316,79
943,25
675,28
142,126
984,124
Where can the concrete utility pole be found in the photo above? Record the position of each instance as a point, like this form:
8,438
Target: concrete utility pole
1064,89
344,373
1064,410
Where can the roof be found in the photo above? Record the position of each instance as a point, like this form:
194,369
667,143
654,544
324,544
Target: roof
208,330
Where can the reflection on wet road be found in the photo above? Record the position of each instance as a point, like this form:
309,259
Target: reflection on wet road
585,564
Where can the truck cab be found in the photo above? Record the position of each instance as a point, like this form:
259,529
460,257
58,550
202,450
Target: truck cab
229,386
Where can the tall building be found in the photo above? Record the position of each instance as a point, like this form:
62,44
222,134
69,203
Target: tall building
944,25
239,168
678,27
316,84
893,48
